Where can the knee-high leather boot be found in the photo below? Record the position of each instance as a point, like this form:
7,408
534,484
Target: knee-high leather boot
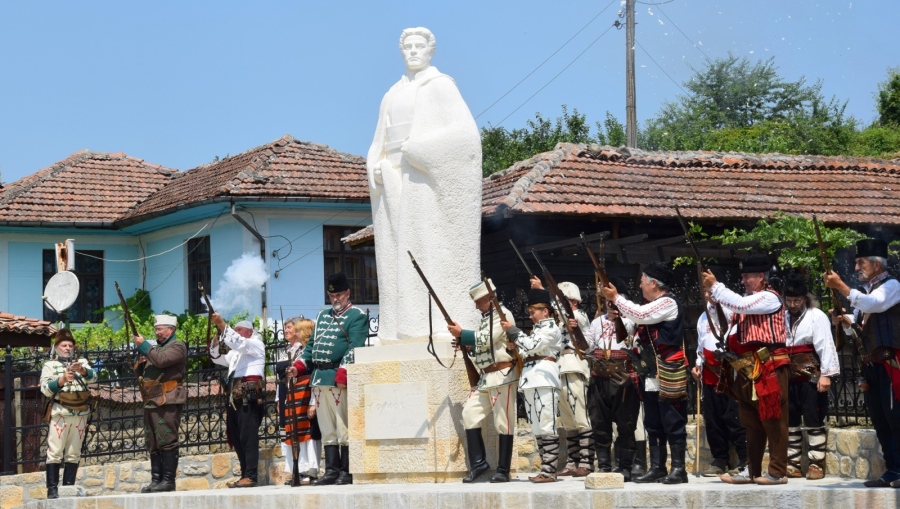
505,459
52,480
332,466
476,454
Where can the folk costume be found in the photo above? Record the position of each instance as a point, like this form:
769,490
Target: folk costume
661,331
763,369
539,383
246,361
160,375
294,407
613,395
720,411
878,314
69,414
810,345
495,394
574,377
329,351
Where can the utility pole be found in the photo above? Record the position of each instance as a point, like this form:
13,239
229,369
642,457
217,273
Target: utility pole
630,101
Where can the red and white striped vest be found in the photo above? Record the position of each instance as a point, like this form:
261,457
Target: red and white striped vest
767,329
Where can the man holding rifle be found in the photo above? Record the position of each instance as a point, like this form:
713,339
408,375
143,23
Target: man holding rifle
661,322
878,312
762,365
246,362
160,372
495,394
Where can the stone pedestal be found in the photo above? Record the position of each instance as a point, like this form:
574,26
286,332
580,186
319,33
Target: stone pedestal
416,406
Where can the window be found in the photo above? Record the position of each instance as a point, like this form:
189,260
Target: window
89,269
358,264
198,271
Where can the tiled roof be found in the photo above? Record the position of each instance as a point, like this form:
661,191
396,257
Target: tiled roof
24,325
358,237
87,188
284,170
605,181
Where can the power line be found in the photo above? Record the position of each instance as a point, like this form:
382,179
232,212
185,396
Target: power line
660,67
557,75
545,61
685,35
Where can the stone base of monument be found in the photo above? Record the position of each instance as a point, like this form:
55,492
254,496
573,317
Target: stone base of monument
72,490
405,415
604,481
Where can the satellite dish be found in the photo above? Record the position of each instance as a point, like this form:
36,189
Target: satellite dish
61,291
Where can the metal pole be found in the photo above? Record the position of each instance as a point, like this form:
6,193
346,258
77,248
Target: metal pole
630,100
7,411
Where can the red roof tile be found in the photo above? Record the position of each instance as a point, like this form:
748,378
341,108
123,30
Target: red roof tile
604,181
87,188
24,325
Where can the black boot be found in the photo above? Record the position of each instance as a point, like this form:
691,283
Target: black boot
69,474
617,454
155,472
624,466
345,477
604,463
639,464
678,475
503,462
477,456
169,460
657,466
52,480
332,466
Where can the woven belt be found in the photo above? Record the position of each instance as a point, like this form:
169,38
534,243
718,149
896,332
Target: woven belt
568,351
497,366
535,358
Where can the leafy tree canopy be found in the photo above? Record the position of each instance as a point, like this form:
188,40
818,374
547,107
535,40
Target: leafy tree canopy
888,99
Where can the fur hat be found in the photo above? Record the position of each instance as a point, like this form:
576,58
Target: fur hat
171,321
795,285
479,290
338,283
538,296
871,247
755,263
247,324
570,290
63,335
660,272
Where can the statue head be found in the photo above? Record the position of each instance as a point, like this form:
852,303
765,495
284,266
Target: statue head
417,46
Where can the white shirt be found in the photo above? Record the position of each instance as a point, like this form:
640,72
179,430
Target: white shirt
545,341
757,303
814,328
247,356
602,334
879,300
662,309
706,340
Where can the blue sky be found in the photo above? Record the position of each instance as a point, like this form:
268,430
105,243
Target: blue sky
177,83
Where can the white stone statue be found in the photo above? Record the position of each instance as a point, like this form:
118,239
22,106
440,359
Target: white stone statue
424,169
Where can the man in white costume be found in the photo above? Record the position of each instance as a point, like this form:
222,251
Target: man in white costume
424,169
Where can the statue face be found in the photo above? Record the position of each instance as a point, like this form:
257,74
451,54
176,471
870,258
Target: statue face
416,52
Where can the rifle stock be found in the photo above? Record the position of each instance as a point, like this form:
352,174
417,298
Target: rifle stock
129,322
496,302
600,273
578,339
837,308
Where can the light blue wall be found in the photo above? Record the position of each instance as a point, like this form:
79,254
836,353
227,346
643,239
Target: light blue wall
299,288
227,243
166,274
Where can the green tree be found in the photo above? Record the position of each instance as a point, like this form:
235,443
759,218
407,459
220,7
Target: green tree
888,99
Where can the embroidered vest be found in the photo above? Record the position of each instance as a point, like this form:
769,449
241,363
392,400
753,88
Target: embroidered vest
882,329
767,328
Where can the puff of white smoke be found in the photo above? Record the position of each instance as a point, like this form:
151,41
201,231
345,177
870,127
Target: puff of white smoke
243,278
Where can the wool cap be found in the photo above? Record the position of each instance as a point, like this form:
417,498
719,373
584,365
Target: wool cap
755,263
538,296
479,290
871,247
795,285
570,290
171,321
660,272
63,335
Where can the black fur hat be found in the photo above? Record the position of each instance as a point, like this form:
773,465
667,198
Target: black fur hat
660,272
338,283
538,296
755,263
795,285
871,247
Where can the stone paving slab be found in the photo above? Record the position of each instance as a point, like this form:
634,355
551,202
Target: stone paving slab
699,493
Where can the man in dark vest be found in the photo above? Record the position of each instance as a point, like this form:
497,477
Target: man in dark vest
763,368
878,312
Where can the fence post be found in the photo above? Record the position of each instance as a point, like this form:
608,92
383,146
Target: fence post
7,410
17,390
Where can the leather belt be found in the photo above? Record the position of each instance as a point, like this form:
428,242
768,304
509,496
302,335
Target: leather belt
535,358
326,365
568,351
497,366
167,386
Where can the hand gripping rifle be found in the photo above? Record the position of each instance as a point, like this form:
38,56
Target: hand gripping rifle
129,321
210,341
600,274
471,370
837,307
578,339
496,302
290,396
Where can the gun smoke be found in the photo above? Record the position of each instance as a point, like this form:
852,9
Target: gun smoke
242,281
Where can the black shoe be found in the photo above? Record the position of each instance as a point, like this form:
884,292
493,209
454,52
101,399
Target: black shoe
639,463
69,474
53,480
678,475
657,467
477,455
169,460
624,465
872,483
155,472
603,459
503,462
332,466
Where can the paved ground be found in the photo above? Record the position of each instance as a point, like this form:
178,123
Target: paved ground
831,493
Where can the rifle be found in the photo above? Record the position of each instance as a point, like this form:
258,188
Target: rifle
837,307
295,445
522,258
514,352
578,339
129,321
600,273
210,342
471,370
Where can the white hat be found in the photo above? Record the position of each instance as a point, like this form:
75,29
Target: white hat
171,321
570,290
479,290
245,324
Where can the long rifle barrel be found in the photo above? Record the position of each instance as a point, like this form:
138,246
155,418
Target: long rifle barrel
430,289
522,258
577,336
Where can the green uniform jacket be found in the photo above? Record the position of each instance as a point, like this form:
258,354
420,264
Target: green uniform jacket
169,359
332,342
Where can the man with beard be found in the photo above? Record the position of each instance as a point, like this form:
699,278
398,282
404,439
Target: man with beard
878,313
339,330
761,386
813,360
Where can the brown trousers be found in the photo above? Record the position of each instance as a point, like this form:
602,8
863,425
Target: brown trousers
161,426
773,431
